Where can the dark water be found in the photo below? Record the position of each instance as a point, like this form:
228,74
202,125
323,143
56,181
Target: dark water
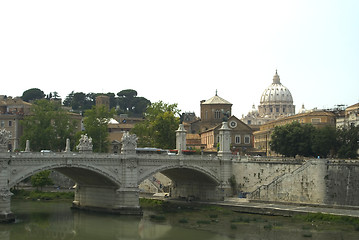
55,220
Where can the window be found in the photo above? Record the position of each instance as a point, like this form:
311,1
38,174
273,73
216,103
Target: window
10,123
2,124
237,139
233,124
249,122
217,114
277,109
247,139
206,115
315,120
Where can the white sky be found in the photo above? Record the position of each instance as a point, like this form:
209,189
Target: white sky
182,51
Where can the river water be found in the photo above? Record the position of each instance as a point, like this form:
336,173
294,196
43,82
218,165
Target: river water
55,220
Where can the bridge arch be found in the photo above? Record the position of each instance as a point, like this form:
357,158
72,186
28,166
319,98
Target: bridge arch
170,168
79,173
189,181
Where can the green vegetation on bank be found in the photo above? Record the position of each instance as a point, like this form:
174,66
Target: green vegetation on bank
328,218
35,195
209,217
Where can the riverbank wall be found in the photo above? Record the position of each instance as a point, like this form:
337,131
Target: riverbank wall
308,181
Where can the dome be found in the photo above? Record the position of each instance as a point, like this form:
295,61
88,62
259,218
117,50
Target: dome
254,109
276,93
302,110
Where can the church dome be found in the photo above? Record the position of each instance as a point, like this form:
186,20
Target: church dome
276,93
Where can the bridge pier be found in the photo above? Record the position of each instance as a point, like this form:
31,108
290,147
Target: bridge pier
5,206
107,199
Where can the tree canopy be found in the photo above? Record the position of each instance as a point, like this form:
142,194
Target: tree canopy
159,127
348,142
325,141
32,94
306,140
292,139
126,102
96,126
47,127
41,179
80,101
129,103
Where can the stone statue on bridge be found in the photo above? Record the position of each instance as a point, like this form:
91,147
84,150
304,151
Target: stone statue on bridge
85,144
129,143
4,140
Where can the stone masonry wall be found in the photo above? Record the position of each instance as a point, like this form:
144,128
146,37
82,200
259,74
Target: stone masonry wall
252,173
342,182
317,181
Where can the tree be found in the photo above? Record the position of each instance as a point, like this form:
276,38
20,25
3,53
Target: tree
96,126
293,139
324,141
41,179
140,105
80,101
32,94
55,95
348,142
68,99
130,104
159,127
113,99
47,127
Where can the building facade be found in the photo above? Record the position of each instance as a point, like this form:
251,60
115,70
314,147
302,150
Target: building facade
241,137
214,111
12,111
349,117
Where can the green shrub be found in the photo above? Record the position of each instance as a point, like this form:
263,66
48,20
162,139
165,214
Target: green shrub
183,220
268,226
34,195
307,235
233,226
158,218
203,222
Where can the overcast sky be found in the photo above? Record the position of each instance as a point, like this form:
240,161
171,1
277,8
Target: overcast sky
182,51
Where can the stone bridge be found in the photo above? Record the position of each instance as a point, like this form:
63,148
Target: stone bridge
109,182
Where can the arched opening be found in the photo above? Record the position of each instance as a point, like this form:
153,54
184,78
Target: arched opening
188,184
86,177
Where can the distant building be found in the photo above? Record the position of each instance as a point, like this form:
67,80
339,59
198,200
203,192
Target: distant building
318,118
12,111
203,133
241,137
117,127
349,117
276,102
213,112
103,100
191,122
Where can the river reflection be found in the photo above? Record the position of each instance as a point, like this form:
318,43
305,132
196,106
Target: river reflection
55,220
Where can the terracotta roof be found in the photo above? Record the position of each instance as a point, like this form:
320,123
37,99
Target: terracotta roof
193,136
216,100
352,107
